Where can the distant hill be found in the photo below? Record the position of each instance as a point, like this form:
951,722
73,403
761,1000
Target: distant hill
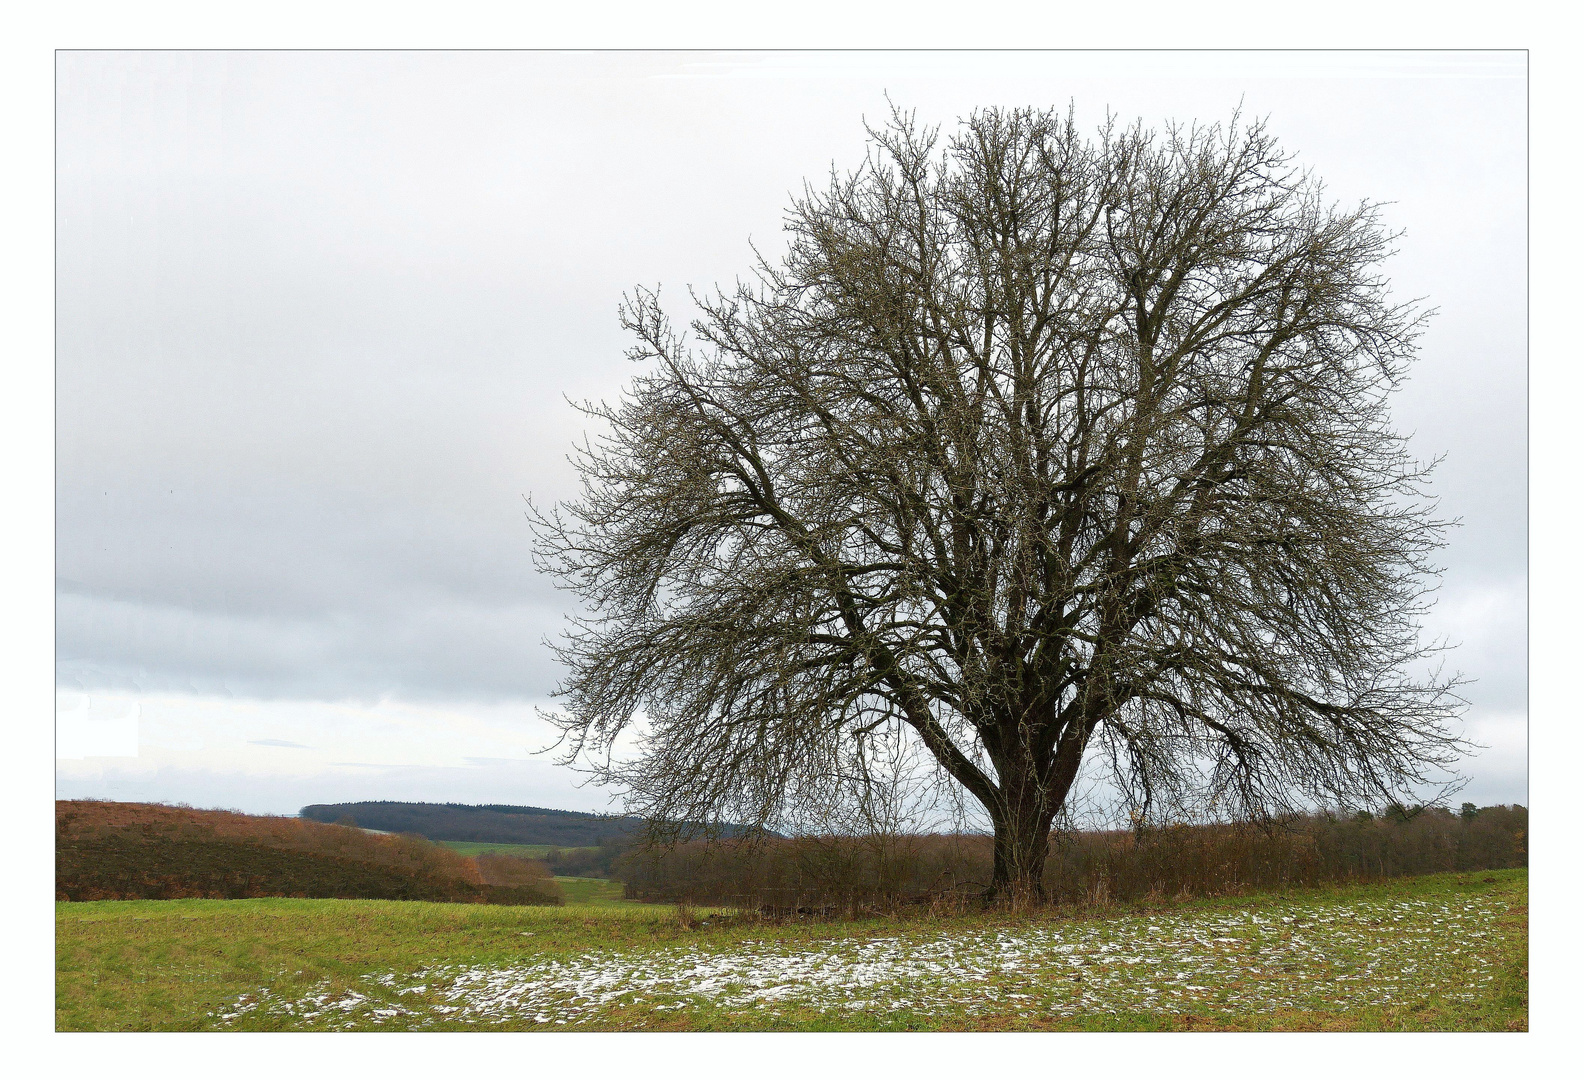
132,851
482,824
491,823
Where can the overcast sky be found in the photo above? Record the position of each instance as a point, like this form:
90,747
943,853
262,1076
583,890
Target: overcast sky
318,315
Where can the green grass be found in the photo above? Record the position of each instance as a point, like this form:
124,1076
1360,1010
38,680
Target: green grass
522,851
593,892
1447,952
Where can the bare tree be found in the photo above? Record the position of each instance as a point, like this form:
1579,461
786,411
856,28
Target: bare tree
1031,447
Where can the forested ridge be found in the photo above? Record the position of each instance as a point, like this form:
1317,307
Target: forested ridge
489,823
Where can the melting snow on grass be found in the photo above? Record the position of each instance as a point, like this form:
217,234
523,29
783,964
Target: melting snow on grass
1316,957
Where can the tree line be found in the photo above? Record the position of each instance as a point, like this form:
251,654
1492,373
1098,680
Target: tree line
852,873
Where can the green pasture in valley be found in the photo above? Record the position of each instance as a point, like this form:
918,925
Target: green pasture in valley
522,851
1445,952
593,892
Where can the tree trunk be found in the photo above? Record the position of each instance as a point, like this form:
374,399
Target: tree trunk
1022,837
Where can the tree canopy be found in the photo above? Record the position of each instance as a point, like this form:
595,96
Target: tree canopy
1032,450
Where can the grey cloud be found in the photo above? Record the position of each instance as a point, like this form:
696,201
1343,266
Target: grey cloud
529,783
279,742
434,651
1486,624
292,554
1498,769
318,314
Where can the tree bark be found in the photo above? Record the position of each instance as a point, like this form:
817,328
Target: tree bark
1020,848
1022,820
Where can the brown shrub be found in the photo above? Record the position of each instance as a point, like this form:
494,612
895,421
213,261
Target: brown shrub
108,850
526,877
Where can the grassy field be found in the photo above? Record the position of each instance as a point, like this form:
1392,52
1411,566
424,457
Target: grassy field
521,851
1447,952
594,892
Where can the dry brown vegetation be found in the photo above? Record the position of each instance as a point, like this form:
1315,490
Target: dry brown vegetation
124,851
835,874
513,872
